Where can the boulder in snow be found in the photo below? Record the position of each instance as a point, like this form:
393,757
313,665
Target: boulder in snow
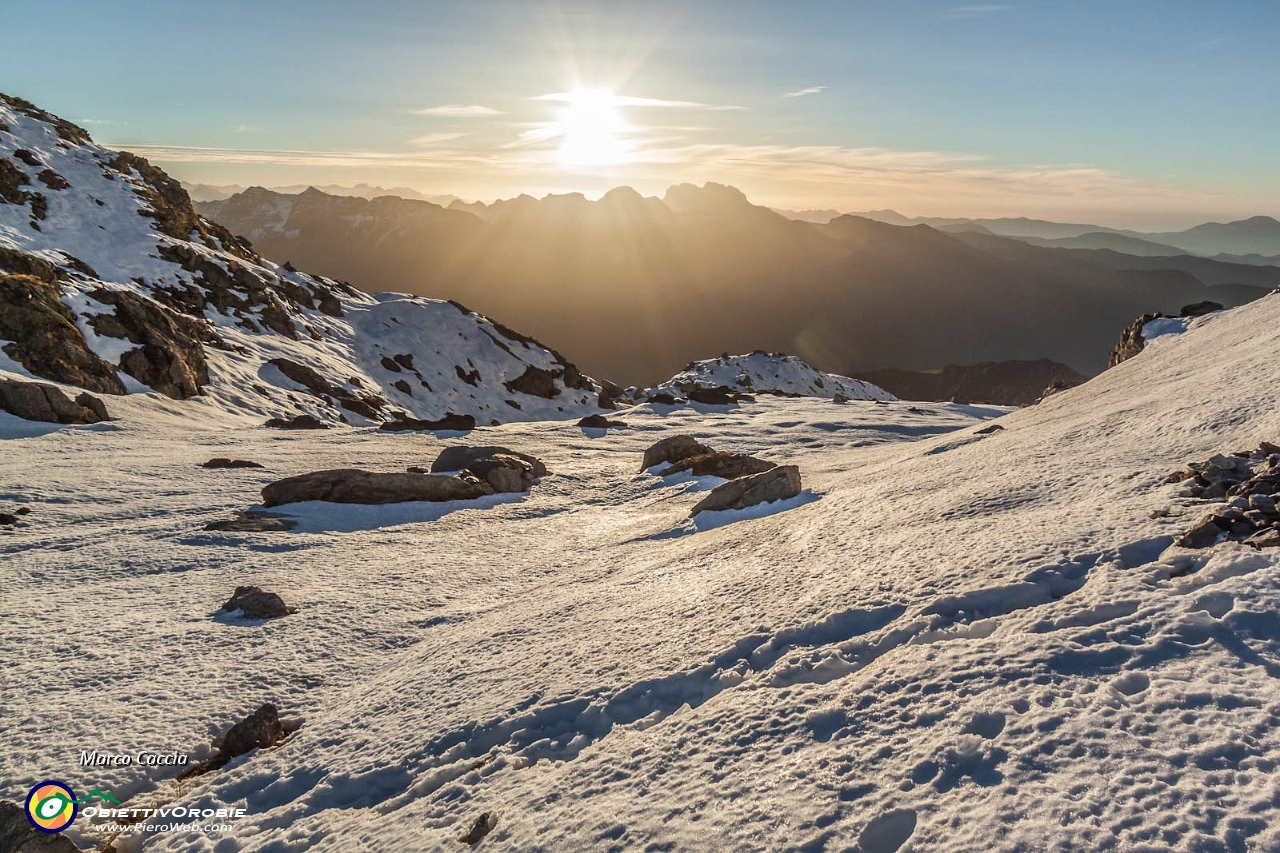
223,462
257,603
297,422
260,730
673,449
729,466
460,423
776,484
36,401
600,422
460,457
353,486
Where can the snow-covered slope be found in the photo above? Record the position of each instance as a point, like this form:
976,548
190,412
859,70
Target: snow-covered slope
166,301
956,640
765,372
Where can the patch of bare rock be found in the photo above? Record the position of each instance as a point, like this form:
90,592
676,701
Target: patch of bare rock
1247,483
751,480
481,472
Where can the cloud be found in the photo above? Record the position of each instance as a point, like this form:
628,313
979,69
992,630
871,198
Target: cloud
457,111
975,11
434,138
800,93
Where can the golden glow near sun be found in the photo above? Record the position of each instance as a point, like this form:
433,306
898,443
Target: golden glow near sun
594,129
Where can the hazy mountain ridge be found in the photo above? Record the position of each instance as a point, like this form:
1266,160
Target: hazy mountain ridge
634,287
111,282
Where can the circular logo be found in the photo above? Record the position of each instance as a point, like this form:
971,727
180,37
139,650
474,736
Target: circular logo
51,806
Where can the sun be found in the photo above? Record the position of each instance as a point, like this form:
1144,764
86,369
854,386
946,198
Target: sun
593,128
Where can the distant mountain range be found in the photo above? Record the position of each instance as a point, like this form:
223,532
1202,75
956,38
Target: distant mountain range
1254,240
214,192
635,287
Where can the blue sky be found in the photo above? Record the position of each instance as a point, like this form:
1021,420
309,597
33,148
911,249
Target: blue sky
1150,114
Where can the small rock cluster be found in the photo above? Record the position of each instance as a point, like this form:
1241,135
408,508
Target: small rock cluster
481,471
8,519
751,481
1248,482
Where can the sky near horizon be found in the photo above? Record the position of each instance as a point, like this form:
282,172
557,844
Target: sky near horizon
1140,114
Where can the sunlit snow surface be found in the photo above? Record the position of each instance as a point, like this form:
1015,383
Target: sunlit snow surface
955,642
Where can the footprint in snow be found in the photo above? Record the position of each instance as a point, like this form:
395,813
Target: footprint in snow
888,832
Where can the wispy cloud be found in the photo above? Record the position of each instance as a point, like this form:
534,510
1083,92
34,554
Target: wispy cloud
800,93
247,128
435,138
457,111
975,11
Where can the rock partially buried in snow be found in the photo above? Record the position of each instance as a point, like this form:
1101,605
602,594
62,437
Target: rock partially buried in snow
673,449
504,472
256,603
252,522
353,486
483,826
600,422
223,462
1248,482
461,423
460,457
297,422
729,466
260,730
776,484
36,401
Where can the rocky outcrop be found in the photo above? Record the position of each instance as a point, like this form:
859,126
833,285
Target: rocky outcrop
256,603
460,423
42,330
536,382
673,449
36,401
1131,340
170,356
775,484
1248,485
353,486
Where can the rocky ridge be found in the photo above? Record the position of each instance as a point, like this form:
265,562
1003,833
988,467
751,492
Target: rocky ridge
111,283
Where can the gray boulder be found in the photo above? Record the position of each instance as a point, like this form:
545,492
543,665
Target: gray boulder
775,484
353,486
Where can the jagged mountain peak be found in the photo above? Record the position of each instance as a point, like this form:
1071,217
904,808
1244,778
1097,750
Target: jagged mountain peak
111,282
